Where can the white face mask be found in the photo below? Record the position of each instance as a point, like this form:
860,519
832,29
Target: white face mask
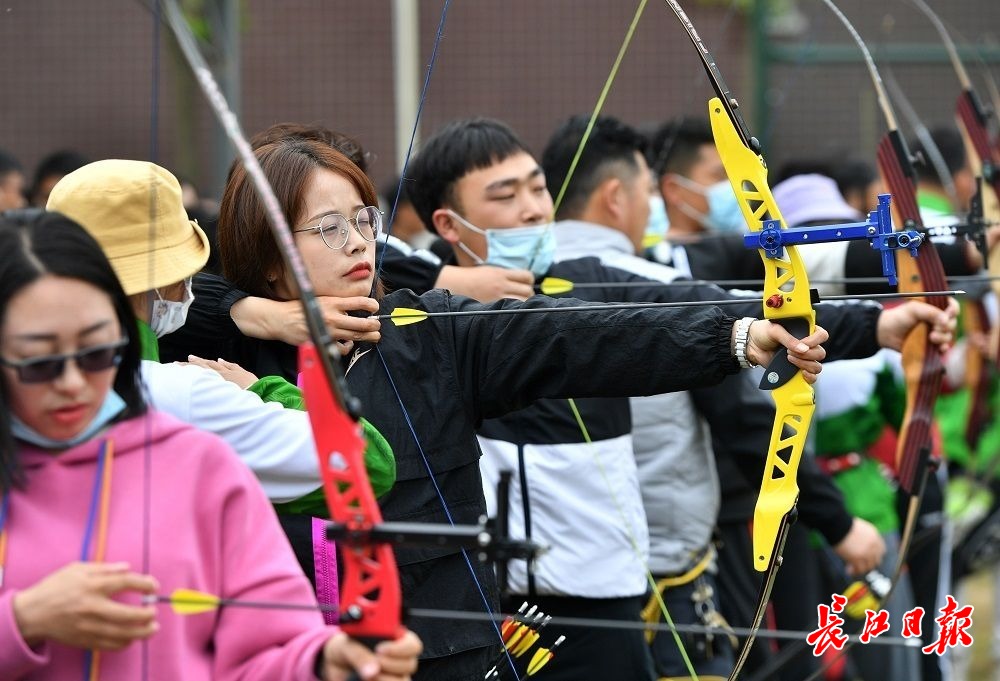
166,316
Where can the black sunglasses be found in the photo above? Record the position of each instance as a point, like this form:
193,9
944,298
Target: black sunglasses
50,367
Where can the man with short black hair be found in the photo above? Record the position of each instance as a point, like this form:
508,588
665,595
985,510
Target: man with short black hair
673,434
479,187
477,184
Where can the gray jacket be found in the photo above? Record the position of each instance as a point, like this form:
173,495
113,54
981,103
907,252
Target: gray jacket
671,441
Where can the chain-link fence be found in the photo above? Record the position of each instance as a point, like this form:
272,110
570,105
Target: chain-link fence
79,75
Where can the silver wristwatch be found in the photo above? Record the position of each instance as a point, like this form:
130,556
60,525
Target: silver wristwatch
740,343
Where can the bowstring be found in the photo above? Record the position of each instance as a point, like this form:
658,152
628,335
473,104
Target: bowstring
892,123
444,505
432,62
627,524
585,432
600,103
629,530
154,130
413,133
626,42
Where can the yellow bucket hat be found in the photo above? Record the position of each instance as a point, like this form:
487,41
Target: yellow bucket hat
134,210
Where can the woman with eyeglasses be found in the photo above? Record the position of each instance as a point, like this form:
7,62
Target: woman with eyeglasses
426,387
106,504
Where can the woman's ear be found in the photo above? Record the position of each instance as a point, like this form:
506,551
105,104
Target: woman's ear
273,279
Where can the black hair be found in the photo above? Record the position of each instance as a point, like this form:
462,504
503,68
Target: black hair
345,144
35,243
392,187
675,147
949,142
800,167
853,175
59,163
454,151
9,164
611,148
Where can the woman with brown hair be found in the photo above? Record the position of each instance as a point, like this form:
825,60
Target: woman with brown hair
427,387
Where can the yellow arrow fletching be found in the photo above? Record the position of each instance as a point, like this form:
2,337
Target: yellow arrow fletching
552,286
516,636
539,660
402,316
191,602
859,599
525,644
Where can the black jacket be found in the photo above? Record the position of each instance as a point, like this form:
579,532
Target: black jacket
452,374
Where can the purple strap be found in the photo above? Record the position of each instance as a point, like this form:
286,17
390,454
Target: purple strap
325,561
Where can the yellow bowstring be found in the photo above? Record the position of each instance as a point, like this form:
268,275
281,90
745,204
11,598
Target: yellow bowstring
572,404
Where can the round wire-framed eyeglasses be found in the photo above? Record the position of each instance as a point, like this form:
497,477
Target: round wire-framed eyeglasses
334,228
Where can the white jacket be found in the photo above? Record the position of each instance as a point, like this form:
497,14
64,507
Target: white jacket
274,442
671,441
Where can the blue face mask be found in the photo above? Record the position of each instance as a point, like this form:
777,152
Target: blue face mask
112,406
724,214
517,248
656,228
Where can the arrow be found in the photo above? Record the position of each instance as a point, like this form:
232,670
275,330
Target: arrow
191,602
404,316
512,620
552,286
542,657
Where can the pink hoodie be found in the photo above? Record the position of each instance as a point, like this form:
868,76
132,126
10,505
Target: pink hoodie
210,528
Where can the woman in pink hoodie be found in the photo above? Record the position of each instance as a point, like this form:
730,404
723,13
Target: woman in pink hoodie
105,502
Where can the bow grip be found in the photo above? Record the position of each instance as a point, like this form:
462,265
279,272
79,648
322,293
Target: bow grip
780,370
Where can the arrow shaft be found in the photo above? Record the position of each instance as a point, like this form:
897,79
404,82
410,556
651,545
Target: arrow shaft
433,613
958,279
641,306
237,603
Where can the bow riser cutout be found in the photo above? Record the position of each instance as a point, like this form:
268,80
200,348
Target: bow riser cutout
786,286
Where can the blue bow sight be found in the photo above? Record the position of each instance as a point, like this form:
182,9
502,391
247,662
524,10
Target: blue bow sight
772,239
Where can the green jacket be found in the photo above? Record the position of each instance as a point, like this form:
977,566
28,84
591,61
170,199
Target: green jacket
379,460
951,411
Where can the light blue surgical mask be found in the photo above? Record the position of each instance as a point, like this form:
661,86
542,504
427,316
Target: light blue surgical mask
656,228
518,248
724,213
112,406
